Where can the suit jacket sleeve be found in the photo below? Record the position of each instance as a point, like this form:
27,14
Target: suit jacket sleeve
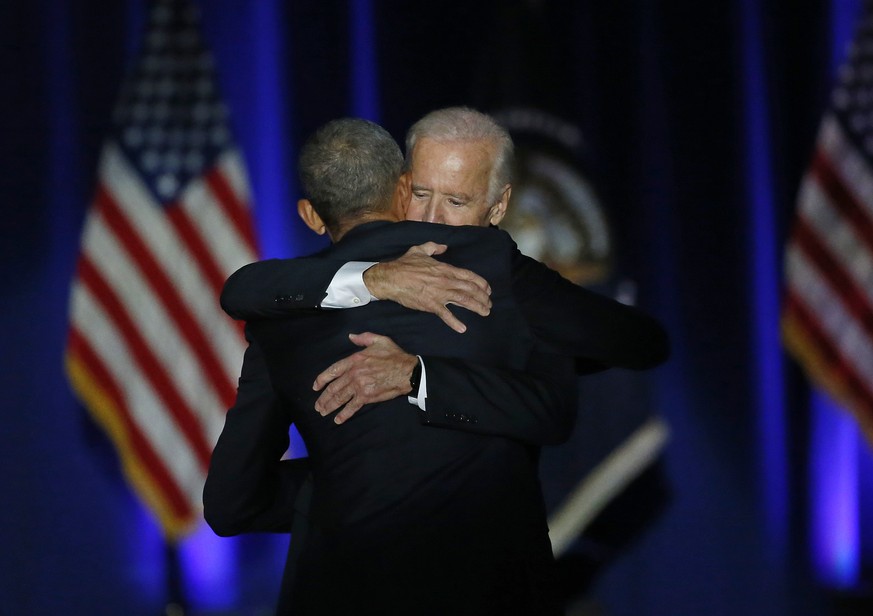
536,406
597,330
248,487
274,287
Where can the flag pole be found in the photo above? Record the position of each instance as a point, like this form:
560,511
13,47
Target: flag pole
177,604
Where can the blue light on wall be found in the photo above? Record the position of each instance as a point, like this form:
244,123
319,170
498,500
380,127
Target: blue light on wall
209,566
835,531
268,167
834,493
765,280
365,82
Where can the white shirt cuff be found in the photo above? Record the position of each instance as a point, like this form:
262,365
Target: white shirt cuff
420,397
347,288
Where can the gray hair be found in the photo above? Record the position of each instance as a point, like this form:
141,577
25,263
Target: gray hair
466,124
349,167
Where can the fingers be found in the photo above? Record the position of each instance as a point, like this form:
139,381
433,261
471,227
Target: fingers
343,366
465,288
428,248
462,277
473,277
449,319
364,339
333,397
333,371
342,381
474,300
350,409
465,295
377,373
380,344
419,282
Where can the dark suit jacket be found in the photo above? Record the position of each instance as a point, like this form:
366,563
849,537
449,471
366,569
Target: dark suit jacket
395,500
535,405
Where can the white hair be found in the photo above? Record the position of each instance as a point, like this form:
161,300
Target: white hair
466,124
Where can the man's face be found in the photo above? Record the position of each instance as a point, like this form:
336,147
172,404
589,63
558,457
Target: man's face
449,184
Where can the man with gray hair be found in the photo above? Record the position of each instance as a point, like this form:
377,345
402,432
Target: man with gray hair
431,521
472,155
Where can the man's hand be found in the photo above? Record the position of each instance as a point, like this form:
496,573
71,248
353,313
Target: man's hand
379,372
418,281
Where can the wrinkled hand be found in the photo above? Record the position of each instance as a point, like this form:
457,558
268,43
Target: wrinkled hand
420,282
379,372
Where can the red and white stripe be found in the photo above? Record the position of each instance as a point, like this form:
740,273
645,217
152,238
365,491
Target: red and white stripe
828,309
147,328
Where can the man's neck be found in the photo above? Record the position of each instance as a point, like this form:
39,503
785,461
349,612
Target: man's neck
345,226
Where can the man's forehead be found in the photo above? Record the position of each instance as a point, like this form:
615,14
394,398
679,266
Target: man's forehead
467,150
453,161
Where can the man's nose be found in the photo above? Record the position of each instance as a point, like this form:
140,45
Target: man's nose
431,213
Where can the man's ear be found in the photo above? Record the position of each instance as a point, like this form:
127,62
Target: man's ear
402,195
310,217
498,210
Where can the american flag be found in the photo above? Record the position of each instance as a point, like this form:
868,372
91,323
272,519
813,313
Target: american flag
827,318
150,353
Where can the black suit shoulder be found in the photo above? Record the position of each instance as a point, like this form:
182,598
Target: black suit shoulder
572,320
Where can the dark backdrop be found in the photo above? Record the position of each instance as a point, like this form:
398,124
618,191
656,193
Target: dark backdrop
698,118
